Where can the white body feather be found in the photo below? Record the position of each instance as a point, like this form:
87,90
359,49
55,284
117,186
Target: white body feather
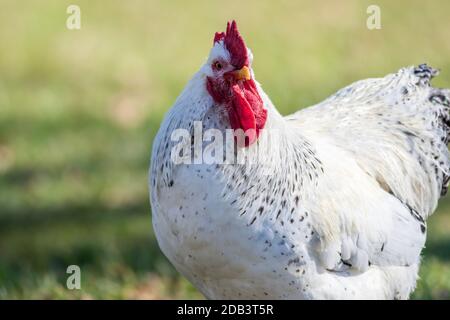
342,214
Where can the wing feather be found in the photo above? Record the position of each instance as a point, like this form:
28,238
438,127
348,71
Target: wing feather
390,136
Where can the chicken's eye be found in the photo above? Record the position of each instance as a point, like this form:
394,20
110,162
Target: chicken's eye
217,65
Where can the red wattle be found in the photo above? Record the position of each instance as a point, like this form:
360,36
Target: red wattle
244,113
246,110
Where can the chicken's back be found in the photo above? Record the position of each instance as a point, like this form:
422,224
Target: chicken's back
396,128
383,144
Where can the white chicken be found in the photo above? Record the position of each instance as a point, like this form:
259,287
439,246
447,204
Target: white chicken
335,209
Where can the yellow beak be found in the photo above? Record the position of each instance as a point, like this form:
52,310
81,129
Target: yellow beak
242,74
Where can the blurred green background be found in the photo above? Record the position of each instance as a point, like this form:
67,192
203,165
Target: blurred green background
79,110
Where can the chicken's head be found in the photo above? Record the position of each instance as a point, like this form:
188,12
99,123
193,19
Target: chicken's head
230,83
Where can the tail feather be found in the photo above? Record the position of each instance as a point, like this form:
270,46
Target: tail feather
425,73
441,98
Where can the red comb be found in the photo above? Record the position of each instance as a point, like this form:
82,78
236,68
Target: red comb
234,44
219,36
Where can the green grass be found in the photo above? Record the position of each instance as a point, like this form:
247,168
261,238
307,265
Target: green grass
79,109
